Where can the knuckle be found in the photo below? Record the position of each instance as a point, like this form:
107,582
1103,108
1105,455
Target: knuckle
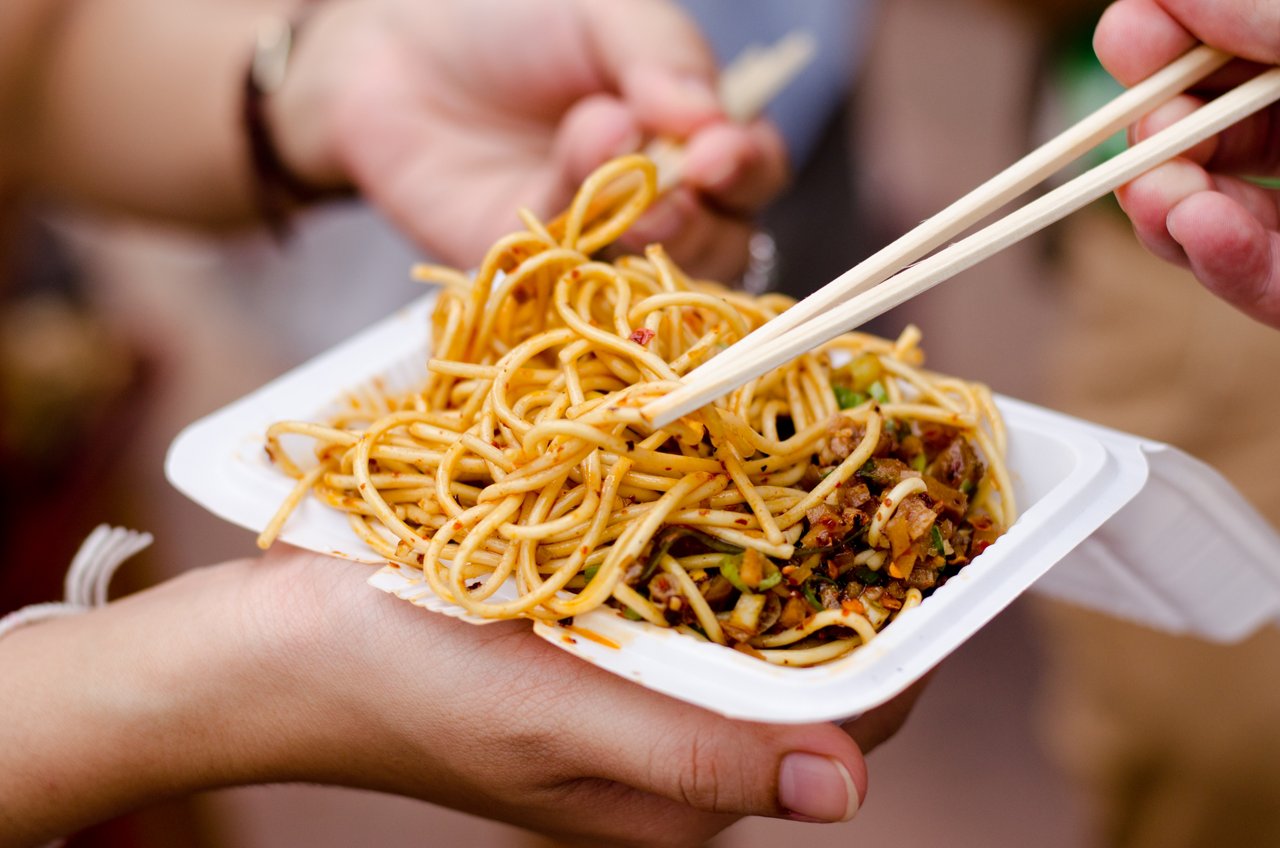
704,782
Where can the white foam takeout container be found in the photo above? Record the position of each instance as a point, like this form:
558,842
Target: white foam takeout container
1170,543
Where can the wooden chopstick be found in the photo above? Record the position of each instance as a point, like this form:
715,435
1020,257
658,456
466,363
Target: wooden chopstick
732,372
1010,183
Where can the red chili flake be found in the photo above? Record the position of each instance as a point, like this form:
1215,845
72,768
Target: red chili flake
642,336
744,522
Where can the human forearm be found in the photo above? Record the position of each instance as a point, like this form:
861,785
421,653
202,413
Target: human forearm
443,114
138,701
134,105
290,668
25,31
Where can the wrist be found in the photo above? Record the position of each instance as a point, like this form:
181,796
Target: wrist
307,703
286,108
115,709
332,649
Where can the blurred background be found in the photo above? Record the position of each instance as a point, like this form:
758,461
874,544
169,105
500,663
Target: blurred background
1052,727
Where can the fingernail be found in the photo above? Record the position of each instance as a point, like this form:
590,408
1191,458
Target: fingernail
1171,224
1174,181
816,788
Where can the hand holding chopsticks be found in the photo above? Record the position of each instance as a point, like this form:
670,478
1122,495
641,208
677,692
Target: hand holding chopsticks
855,297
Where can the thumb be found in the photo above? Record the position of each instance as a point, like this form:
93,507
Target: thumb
713,764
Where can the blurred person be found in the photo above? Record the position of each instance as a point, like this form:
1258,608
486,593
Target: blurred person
1135,714
444,116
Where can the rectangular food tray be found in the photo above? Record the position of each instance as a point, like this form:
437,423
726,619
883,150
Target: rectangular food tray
1070,478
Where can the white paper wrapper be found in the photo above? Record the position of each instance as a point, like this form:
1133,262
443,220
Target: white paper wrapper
1071,478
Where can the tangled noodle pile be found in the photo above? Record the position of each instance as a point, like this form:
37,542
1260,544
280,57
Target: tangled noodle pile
792,519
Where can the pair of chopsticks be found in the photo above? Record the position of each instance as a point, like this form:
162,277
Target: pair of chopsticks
887,278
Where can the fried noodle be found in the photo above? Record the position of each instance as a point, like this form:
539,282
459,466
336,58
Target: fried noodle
791,519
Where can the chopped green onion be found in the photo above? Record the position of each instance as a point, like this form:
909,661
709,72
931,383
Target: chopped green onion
848,398
590,572
877,391
632,614
773,578
729,568
966,487
811,592
811,596
918,462
867,576
938,545
861,371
